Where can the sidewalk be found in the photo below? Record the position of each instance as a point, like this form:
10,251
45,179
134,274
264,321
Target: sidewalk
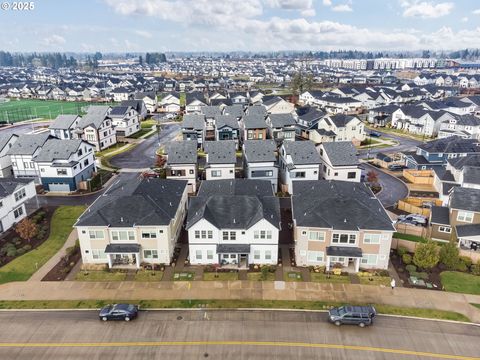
40,273
249,290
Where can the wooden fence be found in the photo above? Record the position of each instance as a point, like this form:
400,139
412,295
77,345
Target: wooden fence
412,230
423,177
414,205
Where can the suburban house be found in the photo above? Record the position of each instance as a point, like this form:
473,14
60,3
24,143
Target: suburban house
182,162
23,152
277,105
465,126
144,232
339,161
64,125
308,118
121,94
18,198
170,103
149,99
309,97
234,222
125,119
260,161
210,113
338,127
63,164
6,142
281,127
96,127
193,128
220,159
436,152
194,103
138,105
298,161
254,127
339,224
439,224
340,105
464,208
227,128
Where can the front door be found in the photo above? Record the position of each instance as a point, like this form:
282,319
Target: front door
243,260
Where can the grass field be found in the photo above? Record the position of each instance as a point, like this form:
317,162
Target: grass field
24,266
19,110
460,282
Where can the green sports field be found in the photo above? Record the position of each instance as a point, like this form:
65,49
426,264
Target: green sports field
19,110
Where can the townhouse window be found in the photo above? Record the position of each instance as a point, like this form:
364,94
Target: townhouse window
197,234
337,259
61,171
1,204
256,254
19,195
225,235
351,175
123,235
149,234
204,234
233,235
372,238
445,229
210,234
25,165
198,254
18,212
344,238
216,173
96,234
299,175
268,254
98,254
369,259
80,152
335,174
85,163
316,235
191,172
150,254
315,256
14,164
465,216
209,254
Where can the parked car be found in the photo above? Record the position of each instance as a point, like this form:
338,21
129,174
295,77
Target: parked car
352,315
124,312
396,167
375,133
413,219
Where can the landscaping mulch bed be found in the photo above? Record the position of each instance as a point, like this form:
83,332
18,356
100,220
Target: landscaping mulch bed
433,274
60,271
22,246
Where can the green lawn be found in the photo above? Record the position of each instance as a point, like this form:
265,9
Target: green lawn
183,99
227,304
460,282
140,133
100,275
375,280
24,266
184,276
19,110
147,124
257,276
409,237
293,276
222,276
335,279
148,275
112,148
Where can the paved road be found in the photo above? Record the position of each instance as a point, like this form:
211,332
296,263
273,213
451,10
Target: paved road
24,128
405,144
228,335
143,155
392,188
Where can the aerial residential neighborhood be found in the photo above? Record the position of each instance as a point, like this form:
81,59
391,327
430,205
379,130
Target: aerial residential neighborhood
257,179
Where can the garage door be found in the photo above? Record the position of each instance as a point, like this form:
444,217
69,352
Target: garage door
59,187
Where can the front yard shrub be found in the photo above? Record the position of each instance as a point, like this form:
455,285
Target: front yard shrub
449,255
27,247
426,255
411,268
422,275
21,251
383,273
465,259
461,266
11,252
475,268
401,251
407,259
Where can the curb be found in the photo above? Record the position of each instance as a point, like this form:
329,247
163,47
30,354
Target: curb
243,310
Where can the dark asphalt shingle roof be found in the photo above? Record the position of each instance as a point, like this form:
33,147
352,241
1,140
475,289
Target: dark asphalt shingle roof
254,121
281,120
440,215
64,122
221,152
468,230
55,149
341,153
302,152
27,144
340,205
452,144
9,185
193,121
465,199
222,121
95,116
471,175
181,152
260,150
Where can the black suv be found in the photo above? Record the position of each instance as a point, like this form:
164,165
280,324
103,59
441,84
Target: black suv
352,315
125,312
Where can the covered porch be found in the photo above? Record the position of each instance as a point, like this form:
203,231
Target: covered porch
345,257
233,255
468,236
125,256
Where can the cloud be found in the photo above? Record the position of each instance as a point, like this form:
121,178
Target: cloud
54,40
144,34
290,4
327,2
308,12
464,19
476,12
342,8
426,9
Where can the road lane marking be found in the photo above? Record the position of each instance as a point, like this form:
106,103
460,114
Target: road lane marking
242,343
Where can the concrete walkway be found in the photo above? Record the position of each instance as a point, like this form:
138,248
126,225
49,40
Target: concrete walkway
245,290
40,273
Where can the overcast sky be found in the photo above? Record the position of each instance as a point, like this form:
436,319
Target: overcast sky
252,25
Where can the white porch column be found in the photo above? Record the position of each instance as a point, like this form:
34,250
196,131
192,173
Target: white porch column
327,266
357,264
109,258
137,258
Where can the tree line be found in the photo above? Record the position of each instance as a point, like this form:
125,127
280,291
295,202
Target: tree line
51,60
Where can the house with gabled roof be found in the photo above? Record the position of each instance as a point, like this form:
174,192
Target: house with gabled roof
6,142
338,127
18,199
125,119
193,128
96,127
464,208
64,125
278,105
227,128
220,159
234,222
253,127
182,158
339,224
260,161
281,127
339,161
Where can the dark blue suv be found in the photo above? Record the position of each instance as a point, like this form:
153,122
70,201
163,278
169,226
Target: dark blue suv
124,312
352,315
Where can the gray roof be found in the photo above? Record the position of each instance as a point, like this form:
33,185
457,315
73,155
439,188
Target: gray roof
452,144
234,110
55,149
234,204
340,205
193,121
341,120
260,150
440,215
465,199
211,111
221,152
468,230
64,122
341,153
27,144
95,116
9,185
120,110
281,120
254,121
182,152
469,160
471,175
5,138
302,152
136,202
346,251
122,248
226,120
257,110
